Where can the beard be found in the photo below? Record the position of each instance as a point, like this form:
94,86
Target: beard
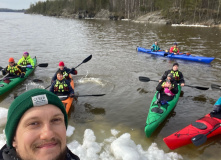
34,147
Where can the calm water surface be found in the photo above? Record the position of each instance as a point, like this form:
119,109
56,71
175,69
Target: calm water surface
114,70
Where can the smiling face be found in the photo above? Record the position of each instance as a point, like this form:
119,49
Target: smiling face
41,134
175,67
59,76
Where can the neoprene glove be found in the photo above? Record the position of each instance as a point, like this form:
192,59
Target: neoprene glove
72,70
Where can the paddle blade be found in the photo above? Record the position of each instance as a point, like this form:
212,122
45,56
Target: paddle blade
165,54
198,87
37,80
43,64
144,79
199,139
87,59
1,68
215,86
202,88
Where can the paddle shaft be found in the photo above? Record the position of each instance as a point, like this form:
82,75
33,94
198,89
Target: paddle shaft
146,79
96,95
4,76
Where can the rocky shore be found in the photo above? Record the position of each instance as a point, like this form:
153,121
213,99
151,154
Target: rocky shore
151,17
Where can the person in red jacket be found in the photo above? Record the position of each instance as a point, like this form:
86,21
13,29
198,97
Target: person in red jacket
174,49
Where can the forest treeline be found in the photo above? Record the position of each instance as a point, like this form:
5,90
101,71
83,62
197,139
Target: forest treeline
177,11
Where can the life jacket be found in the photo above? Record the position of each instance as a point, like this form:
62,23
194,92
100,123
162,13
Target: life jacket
175,75
167,91
14,70
156,48
65,74
25,62
175,49
61,86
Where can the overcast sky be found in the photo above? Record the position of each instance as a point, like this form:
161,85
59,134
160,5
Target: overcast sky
17,4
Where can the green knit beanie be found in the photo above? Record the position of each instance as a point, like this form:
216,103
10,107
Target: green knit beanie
31,98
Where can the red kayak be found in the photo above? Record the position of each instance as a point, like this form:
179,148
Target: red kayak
197,132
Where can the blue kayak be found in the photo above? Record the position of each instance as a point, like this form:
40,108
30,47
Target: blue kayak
182,56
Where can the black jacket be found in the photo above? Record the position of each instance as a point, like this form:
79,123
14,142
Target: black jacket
181,78
10,154
67,70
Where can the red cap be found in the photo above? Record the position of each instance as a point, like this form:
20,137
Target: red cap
61,63
11,60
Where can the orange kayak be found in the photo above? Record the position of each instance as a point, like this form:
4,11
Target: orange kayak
68,102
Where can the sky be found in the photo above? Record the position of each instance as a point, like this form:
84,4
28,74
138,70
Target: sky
17,4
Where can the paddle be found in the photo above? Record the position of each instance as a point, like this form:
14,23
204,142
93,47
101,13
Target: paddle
4,76
201,138
95,95
84,61
215,86
146,79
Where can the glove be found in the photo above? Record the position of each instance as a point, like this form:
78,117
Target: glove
22,75
71,95
29,66
72,70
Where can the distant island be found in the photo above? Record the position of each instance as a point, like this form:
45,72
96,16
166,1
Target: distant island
11,10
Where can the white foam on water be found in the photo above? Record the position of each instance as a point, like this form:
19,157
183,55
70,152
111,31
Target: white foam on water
91,80
33,85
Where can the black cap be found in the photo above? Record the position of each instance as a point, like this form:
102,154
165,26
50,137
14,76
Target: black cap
175,64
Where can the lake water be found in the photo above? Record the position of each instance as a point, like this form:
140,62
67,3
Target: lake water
112,126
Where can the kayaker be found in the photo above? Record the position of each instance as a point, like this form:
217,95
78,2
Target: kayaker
216,109
61,86
13,69
178,76
174,49
36,128
26,60
155,47
65,71
167,88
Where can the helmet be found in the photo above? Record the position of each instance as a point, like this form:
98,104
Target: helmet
61,63
26,53
11,60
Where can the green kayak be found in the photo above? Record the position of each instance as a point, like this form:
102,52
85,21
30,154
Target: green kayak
4,87
157,115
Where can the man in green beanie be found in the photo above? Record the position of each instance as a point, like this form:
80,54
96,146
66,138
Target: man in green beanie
36,128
